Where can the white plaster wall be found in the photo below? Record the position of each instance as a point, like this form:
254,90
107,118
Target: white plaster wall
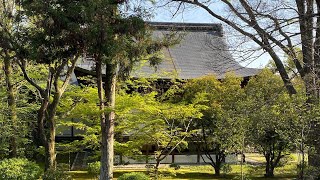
182,159
185,159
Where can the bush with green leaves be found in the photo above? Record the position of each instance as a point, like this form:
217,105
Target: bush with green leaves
134,176
175,166
226,168
244,177
94,168
285,160
19,168
56,174
312,172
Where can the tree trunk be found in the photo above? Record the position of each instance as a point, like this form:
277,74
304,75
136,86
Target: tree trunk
107,123
216,171
41,131
12,107
50,149
47,134
269,171
46,113
156,168
269,167
50,154
314,157
217,165
103,161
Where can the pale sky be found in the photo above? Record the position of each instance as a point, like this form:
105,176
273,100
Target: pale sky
197,15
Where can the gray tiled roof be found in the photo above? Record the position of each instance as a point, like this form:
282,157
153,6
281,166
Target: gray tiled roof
202,51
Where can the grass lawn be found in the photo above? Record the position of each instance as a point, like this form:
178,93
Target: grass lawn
205,172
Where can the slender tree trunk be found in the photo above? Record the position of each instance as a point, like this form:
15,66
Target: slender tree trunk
156,168
217,166
269,166
314,157
107,121
216,171
269,171
102,118
11,106
50,154
110,92
47,134
46,114
42,132
50,149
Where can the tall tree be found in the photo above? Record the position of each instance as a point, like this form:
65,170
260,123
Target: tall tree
274,118
16,135
46,33
7,23
116,41
221,125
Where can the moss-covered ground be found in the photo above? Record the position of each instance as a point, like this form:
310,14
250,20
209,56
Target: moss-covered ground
206,172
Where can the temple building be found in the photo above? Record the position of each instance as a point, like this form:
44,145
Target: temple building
202,51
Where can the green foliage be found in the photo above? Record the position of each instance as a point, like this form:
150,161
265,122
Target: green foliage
285,160
149,121
54,30
18,168
241,178
94,168
175,166
226,168
273,114
223,123
78,109
25,109
276,118
133,176
56,174
312,172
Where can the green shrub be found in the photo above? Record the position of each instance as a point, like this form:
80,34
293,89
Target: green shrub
63,166
175,166
285,160
241,178
226,168
312,172
166,172
57,174
134,176
19,168
94,168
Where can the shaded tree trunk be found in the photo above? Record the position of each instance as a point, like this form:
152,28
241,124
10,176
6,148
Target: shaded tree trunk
11,107
41,131
156,168
217,170
46,129
107,119
110,88
51,131
314,157
269,168
311,58
272,161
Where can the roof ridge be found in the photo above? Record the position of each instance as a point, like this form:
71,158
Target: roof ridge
217,27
